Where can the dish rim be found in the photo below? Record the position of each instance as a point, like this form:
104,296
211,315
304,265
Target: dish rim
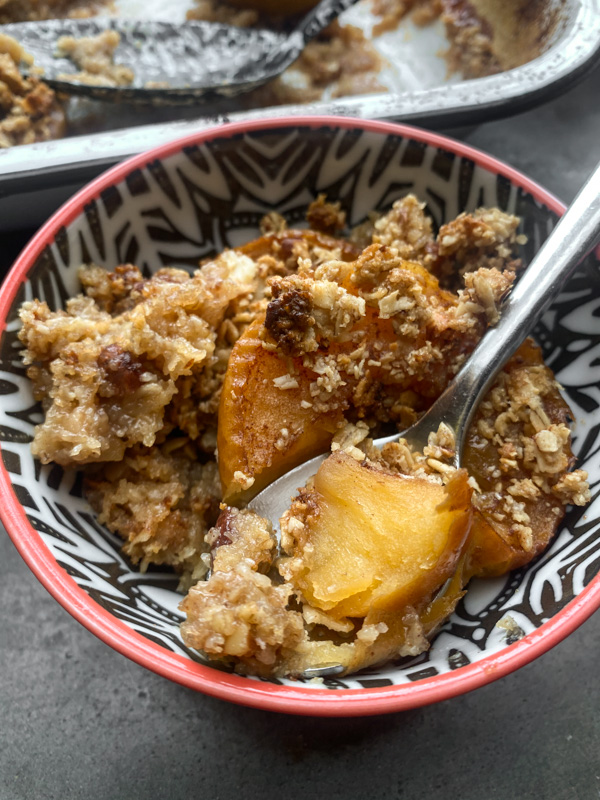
244,691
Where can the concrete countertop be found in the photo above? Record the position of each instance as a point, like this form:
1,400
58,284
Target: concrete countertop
78,720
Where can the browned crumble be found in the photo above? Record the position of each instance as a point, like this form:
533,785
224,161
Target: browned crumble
166,339
520,447
94,56
216,11
471,51
340,61
486,238
325,217
392,12
161,500
29,109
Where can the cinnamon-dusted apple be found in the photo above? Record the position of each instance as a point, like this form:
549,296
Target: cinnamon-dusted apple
267,423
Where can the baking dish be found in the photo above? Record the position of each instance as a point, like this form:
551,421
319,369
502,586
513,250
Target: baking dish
35,179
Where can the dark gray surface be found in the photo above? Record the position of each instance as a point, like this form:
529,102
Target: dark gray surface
77,720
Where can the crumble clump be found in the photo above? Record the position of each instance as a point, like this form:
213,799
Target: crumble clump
325,217
242,614
29,109
521,445
486,238
339,62
239,612
241,535
161,501
304,312
272,223
104,380
407,229
471,51
107,368
94,56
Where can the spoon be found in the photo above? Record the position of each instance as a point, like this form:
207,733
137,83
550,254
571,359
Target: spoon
175,63
573,237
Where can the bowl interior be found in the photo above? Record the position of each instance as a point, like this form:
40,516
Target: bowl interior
187,203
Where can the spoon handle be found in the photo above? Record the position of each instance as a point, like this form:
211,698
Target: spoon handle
573,237
320,17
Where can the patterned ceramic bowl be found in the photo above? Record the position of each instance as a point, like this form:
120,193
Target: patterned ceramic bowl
189,199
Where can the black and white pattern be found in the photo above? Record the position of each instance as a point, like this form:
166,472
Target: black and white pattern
206,197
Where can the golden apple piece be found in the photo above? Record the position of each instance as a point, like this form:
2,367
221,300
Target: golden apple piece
264,430
363,540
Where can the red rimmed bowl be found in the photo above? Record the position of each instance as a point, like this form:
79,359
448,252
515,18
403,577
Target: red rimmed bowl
186,200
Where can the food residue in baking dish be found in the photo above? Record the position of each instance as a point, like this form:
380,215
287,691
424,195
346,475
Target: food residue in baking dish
362,54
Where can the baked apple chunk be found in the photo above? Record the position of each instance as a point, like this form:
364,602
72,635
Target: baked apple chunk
365,539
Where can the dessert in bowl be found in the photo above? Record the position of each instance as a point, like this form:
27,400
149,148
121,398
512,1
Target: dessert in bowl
190,202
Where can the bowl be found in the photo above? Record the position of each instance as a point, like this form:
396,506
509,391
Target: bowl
189,199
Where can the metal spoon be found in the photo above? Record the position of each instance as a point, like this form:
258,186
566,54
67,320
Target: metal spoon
176,63
573,237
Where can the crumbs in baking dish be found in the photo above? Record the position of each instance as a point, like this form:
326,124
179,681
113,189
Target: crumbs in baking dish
483,38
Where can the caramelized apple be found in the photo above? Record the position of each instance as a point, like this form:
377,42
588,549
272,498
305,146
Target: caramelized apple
502,454
366,541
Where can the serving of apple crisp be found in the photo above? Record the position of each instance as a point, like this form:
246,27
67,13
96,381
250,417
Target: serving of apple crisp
300,342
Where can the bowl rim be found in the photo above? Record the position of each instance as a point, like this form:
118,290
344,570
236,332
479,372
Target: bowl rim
244,691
